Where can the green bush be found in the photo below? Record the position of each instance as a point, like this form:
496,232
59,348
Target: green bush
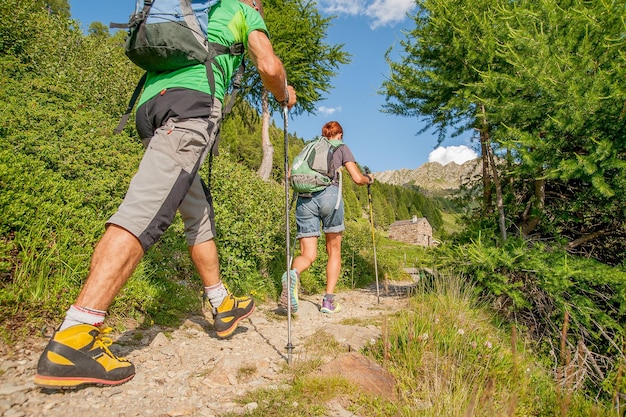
551,293
250,222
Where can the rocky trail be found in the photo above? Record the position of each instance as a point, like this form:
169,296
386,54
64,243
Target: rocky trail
188,371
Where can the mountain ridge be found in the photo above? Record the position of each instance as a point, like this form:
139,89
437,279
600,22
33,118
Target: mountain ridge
433,176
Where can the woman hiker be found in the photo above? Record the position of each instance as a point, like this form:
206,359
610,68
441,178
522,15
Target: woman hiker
321,208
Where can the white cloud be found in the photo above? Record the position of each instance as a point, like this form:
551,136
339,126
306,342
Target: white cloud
351,7
388,12
328,110
458,154
380,12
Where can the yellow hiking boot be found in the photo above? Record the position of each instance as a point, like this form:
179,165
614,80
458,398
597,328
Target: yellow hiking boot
227,316
80,355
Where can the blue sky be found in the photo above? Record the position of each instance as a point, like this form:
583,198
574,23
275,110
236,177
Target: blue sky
367,28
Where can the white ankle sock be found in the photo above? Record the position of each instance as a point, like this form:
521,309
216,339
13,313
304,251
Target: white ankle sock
82,315
216,294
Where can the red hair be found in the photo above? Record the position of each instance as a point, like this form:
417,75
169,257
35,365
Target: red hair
331,129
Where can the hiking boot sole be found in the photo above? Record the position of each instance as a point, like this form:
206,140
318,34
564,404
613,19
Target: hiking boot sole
282,311
289,292
74,382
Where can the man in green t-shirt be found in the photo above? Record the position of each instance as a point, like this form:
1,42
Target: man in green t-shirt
178,119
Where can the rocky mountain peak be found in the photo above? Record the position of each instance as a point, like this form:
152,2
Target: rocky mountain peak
433,176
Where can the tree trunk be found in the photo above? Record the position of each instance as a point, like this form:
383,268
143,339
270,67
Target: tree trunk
588,238
499,199
529,223
487,203
267,161
484,134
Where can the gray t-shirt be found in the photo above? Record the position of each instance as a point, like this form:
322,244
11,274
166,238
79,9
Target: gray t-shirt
342,155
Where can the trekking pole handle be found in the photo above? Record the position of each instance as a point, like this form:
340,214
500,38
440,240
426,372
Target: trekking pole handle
367,172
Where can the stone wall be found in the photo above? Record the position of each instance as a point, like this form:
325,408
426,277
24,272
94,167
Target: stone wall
416,231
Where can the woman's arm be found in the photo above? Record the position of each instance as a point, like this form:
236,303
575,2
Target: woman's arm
357,176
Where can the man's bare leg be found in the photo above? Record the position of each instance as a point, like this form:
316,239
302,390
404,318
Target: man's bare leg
115,258
78,354
205,258
228,310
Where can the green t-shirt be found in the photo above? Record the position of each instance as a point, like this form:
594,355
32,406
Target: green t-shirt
230,21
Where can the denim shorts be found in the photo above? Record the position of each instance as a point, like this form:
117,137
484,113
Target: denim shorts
319,208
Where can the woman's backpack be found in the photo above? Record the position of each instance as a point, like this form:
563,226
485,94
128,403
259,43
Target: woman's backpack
311,170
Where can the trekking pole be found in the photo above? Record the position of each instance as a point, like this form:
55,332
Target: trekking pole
289,346
369,199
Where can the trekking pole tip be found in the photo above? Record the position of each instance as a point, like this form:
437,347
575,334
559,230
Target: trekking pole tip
289,349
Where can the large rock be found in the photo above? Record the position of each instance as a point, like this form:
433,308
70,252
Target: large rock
363,372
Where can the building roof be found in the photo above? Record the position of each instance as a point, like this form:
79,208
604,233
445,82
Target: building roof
408,222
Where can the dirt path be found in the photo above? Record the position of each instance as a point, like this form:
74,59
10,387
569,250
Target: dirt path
188,371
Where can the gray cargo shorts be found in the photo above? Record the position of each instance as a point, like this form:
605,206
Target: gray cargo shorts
167,180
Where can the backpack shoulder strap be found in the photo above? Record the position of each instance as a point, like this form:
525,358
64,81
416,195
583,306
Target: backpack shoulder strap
339,172
131,104
235,49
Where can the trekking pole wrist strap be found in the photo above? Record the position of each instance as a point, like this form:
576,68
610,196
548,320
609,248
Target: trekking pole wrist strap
285,101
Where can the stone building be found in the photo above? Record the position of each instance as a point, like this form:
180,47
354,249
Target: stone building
416,231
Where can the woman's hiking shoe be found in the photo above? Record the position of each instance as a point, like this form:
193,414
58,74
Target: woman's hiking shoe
330,306
80,355
228,315
290,291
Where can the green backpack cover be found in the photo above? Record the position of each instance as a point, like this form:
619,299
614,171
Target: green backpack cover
311,170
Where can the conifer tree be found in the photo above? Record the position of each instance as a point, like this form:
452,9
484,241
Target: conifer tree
543,85
298,31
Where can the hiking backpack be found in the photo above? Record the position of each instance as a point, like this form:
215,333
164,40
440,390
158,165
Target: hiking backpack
166,35
311,170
